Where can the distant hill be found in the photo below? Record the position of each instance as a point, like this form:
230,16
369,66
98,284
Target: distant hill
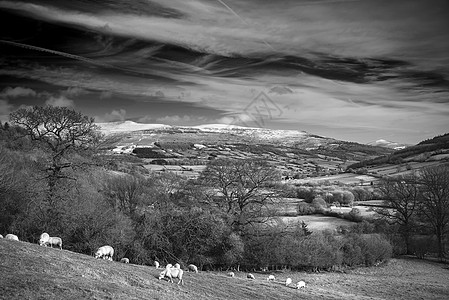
430,150
297,154
232,134
388,144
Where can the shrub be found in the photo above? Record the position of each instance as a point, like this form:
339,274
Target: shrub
307,194
355,215
365,249
319,204
347,198
305,209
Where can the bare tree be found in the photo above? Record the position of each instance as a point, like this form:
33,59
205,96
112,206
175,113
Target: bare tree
434,204
125,192
401,196
61,132
241,189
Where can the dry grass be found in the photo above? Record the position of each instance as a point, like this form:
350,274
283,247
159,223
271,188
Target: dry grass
317,222
29,271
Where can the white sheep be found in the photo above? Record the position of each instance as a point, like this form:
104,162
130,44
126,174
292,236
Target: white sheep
177,266
192,268
171,273
1,236
156,264
125,260
105,252
271,278
43,239
54,240
231,274
250,276
11,236
300,285
288,281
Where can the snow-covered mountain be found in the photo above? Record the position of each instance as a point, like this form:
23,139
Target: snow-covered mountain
260,134
388,144
132,135
128,126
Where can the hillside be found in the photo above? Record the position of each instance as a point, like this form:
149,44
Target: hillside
430,152
29,271
295,153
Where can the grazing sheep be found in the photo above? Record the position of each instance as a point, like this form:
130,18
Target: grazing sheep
171,273
125,260
231,274
270,278
11,236
192,268
301,284
156,264
105,252
54,240
43,239
250,276
288,281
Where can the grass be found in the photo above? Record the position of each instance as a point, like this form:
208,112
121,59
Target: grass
317,222
29,271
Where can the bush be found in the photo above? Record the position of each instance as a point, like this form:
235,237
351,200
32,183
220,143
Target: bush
307,194
319,204
347,198
355,215
305,209
365,249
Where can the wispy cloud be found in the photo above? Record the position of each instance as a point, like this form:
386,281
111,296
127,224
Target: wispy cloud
330,63
18,91
5,110
60,101
115,115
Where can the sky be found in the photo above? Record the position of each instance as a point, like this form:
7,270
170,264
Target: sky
355,70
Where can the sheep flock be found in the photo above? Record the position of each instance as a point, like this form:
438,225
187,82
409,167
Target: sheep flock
170,271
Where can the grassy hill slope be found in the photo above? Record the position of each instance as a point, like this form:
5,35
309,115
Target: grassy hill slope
28,271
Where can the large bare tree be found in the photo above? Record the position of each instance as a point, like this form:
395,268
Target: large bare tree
241,189
434,204
401,196
60,132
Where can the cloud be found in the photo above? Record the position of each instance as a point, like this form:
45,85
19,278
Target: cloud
113,116
175,119
18,91
146,119
60,101
5,110
74,92
105,95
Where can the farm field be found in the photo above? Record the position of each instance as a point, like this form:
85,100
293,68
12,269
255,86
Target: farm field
344,178
289,207
183,170
316,222
29,271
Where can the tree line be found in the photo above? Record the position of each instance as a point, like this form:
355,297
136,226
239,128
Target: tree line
418,205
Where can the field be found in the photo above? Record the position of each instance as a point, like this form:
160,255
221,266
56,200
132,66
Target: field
287,212
344,178
29,271
317,222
